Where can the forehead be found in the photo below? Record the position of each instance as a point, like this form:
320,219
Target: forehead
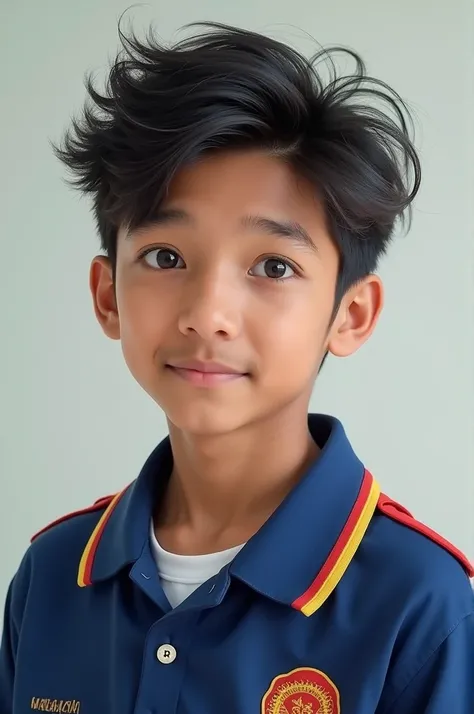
234,184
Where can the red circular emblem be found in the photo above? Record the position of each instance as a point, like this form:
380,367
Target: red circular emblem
302,691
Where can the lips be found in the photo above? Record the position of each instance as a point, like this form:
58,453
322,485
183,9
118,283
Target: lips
205,374
205,367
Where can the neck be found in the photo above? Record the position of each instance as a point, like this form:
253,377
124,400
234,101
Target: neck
223,488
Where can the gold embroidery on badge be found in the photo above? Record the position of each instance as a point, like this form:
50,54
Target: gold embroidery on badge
302,691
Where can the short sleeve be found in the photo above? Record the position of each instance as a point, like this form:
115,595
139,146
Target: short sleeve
8,648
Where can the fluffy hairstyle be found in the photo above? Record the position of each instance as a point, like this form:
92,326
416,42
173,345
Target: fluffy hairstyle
223,88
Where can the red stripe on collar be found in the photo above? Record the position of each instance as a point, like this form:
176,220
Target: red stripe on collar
87,560
343,550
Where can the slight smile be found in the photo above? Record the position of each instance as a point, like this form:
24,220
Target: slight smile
205,374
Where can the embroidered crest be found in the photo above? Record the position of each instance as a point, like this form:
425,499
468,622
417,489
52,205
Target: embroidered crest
302,691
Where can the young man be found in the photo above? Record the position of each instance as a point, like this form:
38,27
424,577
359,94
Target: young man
254,565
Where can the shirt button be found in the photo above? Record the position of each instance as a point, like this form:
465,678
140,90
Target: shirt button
166,654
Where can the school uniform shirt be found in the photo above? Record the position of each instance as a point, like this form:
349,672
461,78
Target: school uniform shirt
342,602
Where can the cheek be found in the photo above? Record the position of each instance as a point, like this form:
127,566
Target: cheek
293,342
145,317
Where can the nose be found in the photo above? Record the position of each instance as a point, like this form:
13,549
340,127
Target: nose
211,307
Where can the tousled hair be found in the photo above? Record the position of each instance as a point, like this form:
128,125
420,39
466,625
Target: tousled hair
228,88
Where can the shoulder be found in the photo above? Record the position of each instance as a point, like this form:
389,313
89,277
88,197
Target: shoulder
430,539
50,563
58,546
73,518
422,582
420,570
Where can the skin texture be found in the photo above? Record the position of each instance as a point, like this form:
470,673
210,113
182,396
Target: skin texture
241,443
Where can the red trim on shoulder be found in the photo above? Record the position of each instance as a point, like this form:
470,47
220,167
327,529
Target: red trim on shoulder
96,506
104,499
396,512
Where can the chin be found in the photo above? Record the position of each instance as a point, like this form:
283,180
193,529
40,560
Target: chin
204,420
213,411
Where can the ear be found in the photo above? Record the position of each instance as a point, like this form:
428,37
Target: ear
102,287
357,317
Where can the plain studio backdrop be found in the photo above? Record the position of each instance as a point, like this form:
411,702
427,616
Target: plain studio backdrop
74,424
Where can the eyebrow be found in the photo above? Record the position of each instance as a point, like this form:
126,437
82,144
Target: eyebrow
281,229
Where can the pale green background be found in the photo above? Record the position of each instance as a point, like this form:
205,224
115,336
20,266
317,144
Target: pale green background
74,423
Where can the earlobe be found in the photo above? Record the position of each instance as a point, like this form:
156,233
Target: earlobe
357,317
101,282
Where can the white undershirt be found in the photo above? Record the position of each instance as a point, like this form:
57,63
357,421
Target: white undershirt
181,575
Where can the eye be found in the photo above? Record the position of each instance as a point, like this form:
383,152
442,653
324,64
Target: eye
162,259
275,268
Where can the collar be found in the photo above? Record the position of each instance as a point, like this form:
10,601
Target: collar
122,532
304,549
297,557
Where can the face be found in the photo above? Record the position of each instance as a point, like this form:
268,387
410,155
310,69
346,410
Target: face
223,304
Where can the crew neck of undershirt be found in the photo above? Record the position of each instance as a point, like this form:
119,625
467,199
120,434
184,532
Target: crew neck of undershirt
189,569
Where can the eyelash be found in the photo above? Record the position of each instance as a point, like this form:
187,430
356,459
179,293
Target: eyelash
285,261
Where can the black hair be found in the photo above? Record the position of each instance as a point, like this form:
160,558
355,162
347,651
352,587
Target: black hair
165,106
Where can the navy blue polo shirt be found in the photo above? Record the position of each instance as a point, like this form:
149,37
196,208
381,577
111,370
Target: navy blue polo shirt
342,602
